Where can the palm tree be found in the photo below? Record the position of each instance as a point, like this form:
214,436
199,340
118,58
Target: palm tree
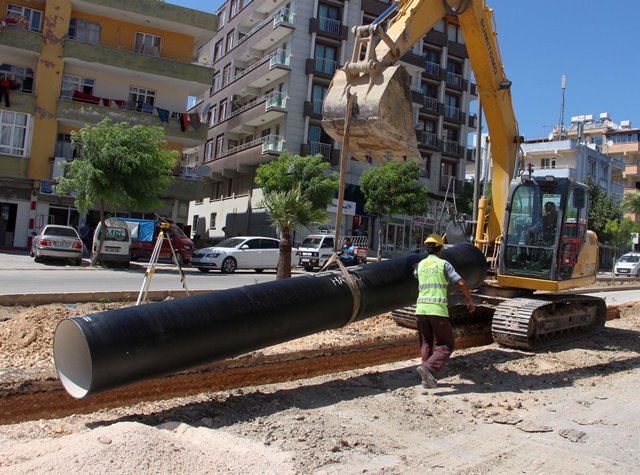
287,211
631,202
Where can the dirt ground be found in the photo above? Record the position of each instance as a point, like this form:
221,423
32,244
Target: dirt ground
570,409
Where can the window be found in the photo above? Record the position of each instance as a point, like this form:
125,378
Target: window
432,56
147,44
218,51
441,26
233,10
451,109
325,59
21,74
548,163
454,73
33,17
226,75
317,96
13,132
230,41
83,30
223,110
72,83
592,168
208,151
212,220
213,116
328,16
64,147
222,16
141,99
216,82
426,166
454,33
219,145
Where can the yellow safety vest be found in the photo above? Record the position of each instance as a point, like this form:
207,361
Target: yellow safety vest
432,287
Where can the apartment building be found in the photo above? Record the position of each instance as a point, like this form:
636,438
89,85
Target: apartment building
68,63
273,62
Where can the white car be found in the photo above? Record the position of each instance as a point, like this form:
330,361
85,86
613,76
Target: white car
628,264
242,252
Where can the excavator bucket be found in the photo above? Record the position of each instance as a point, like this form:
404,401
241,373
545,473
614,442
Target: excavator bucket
381,122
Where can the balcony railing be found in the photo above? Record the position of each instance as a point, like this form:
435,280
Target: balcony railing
451,147
275,58
323,149
430,103
454,79
451,112
429,138
276,100
325,66
432,68
329,26
284,15
270,143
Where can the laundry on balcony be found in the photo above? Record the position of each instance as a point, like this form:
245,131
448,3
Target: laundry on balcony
106,102
147,108
7,85
88,98
163,114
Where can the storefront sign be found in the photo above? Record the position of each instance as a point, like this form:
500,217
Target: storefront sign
348,207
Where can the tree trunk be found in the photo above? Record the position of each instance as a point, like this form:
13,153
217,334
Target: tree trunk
379,257
284,259
103,232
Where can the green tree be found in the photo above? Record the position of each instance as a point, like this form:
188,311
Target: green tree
631,202
619,233
118,165
393,188
602,209
297,191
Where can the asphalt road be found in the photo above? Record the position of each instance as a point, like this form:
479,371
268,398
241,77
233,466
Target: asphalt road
19,274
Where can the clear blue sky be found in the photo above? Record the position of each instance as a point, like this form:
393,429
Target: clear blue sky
594,42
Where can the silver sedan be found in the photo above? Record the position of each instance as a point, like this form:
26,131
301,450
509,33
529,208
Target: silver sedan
57,242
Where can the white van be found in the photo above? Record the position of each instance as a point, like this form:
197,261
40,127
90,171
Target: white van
316,249
117,243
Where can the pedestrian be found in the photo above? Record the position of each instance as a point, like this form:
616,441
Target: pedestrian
432,312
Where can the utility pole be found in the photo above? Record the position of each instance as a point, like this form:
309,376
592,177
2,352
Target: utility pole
564,86
476,181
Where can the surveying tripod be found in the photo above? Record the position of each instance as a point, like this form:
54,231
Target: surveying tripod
153,262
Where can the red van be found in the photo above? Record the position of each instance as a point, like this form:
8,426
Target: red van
182,245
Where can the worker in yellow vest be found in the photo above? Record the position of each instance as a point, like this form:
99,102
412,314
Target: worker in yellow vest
432,313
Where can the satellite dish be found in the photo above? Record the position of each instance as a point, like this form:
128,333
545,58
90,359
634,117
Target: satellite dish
609,143
203,170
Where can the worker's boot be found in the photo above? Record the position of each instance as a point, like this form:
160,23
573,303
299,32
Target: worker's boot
428,380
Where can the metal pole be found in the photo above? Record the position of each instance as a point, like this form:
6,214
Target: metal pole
344,156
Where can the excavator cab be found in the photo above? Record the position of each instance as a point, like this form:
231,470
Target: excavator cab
545,228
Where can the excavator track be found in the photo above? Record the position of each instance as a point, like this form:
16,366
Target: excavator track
535,323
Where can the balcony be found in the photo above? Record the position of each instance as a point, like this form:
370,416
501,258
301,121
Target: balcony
263,110
450,147
252,153
77,114
12,166
455,81
473,121
433,70
437,38
374,7
273,30
328,28
327,151
413,59
427,139
186,188
313,108
452,113
322,67
22,39
137,61
21,102
450,182
431,104
632,170
458,50
266,70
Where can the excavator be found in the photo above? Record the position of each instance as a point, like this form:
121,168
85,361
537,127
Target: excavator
535,236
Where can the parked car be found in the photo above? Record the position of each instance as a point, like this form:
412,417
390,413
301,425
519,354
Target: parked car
58,242
144,236
628,264
117,243
242,252
316,249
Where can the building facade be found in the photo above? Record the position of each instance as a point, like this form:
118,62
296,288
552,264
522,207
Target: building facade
273,62
67,63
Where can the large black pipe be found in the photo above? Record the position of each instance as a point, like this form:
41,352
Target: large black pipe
109,349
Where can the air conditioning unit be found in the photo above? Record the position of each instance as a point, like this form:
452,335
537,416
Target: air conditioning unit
235,98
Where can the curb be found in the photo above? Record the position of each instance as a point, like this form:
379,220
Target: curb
9,300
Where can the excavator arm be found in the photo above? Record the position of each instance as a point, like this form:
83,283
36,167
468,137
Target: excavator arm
381,124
